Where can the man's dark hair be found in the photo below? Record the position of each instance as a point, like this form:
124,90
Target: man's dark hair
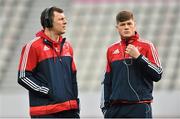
47,16
124,16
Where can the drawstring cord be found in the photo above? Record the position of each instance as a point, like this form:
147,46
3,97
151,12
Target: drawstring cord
61,49
52,45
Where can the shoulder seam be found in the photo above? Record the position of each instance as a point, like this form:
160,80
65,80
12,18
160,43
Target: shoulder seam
111,45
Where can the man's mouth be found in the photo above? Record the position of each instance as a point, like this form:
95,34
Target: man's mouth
126,32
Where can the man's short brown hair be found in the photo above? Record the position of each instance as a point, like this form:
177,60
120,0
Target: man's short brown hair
124,16
47,16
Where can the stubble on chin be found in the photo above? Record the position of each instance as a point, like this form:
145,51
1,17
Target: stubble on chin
61,33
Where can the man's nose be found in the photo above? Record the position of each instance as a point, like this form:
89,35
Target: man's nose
65,21
126,26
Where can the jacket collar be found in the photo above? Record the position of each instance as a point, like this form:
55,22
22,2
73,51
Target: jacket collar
44,36
130,39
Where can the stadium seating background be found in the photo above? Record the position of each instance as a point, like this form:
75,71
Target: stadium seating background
91,29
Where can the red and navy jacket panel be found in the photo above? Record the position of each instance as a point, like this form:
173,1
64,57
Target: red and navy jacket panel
142,72
49,73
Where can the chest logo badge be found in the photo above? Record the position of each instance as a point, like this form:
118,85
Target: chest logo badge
45,48
116,51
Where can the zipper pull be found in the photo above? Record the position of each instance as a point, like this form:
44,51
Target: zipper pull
60,59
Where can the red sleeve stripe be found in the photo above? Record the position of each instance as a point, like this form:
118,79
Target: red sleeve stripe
23,77
73,65
108,68
155,55
154,52
25,57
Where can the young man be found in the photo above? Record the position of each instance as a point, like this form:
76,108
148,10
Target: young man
132,67
47,70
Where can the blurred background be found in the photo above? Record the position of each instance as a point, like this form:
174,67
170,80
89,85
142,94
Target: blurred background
91,29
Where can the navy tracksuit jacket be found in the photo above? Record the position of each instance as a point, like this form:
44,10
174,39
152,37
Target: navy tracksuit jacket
131,83
48,71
